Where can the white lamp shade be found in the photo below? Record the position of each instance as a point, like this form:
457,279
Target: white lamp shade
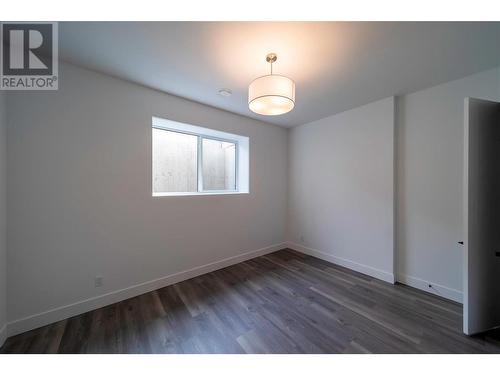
271,95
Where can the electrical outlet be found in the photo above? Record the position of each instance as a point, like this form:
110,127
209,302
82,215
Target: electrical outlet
98,281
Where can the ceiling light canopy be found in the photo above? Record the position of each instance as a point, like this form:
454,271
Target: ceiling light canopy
272,94
225,92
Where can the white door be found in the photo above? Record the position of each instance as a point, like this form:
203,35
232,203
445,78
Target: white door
482,216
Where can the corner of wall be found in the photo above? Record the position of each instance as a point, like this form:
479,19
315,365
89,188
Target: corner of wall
395,151
288,194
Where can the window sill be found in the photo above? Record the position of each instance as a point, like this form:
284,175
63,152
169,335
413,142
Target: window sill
193,193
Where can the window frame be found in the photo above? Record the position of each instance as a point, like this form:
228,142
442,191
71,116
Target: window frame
231,138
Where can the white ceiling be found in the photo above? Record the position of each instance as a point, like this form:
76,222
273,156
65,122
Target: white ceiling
336,65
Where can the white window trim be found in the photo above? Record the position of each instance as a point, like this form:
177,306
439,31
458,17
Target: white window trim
241,157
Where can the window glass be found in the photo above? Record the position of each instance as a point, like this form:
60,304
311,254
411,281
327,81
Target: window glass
175,158
219,165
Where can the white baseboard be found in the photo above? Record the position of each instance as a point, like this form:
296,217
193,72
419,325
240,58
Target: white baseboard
3,335
54,315
415,282
362,268
437,289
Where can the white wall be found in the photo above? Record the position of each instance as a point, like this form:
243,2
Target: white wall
3,217
341,189
429,182
80,205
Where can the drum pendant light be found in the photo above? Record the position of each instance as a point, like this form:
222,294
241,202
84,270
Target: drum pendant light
272,94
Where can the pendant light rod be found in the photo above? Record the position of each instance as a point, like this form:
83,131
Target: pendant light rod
271,58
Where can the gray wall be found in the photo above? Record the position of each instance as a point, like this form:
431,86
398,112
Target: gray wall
3,217
341,188
429,182
80,201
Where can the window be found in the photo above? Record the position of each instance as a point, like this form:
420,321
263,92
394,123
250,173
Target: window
191,160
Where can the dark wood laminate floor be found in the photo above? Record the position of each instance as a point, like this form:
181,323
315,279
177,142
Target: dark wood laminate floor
285,302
